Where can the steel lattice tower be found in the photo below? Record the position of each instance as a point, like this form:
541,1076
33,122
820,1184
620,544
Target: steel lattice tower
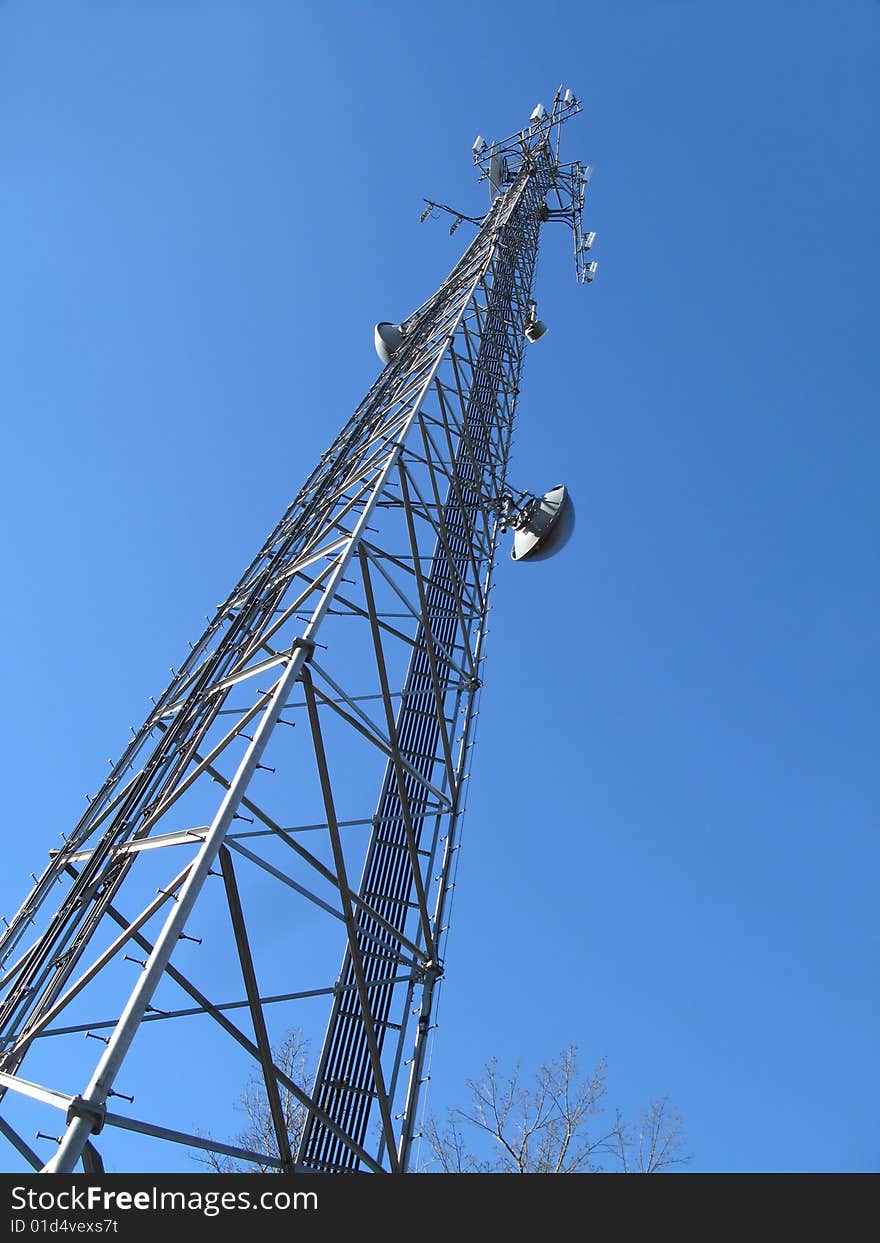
198,898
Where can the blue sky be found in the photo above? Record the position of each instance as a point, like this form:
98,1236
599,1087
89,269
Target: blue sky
670,852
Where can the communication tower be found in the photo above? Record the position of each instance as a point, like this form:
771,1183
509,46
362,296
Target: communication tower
296,791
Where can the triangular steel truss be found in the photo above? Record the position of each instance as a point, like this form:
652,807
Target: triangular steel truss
245,808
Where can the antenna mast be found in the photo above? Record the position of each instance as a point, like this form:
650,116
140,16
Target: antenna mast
297,788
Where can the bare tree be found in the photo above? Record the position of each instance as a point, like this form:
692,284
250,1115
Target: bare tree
656,1142
258,1133
553,1125
556,1124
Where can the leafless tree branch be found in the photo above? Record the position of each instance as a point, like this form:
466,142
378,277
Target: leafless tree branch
258,1133
554,1126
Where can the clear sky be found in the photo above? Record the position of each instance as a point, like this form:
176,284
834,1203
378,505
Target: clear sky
670,852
